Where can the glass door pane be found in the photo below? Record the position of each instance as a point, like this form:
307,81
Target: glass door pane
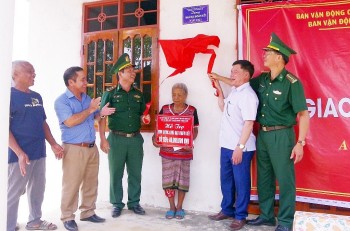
101,52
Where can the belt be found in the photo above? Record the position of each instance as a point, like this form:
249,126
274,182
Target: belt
85,145
273,128
125,134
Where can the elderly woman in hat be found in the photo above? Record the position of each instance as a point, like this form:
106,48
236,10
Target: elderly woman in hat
176,161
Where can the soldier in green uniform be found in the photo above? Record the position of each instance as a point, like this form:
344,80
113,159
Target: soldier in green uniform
281,103
124,144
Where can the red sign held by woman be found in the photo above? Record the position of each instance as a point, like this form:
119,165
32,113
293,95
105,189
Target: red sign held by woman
174,131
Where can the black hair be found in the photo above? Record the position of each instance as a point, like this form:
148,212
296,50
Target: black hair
245,65
285,58
71,73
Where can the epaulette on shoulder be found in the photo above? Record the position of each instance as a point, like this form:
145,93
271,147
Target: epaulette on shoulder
110,88
136,88
291,78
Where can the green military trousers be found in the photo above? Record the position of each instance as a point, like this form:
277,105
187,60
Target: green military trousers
125,151
273,158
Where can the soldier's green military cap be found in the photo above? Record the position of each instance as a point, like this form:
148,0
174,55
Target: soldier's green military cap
122,62
277,45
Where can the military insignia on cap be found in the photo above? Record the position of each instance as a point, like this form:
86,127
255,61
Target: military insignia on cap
291,78
122,62
277,45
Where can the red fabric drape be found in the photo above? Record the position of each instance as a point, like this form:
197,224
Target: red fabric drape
179,53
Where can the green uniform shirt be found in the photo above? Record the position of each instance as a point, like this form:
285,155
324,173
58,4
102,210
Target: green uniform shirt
279,100
129,107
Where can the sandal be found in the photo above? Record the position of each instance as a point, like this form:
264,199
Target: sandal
180,214
170,214
44,225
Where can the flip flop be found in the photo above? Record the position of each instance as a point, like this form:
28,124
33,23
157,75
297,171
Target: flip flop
180,214
170,214
44,225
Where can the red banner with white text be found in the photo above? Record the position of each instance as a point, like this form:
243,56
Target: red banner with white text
319,31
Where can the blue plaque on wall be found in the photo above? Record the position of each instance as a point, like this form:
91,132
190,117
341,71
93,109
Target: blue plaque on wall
195,14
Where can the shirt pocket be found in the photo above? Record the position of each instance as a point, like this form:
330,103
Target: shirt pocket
231,107
119,103
278,98
261,93
135,104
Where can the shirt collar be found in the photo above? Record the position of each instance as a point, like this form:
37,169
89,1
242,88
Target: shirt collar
242,87
120,88
70,94
280,77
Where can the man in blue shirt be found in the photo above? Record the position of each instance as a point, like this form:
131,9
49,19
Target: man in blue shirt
76,113
27,150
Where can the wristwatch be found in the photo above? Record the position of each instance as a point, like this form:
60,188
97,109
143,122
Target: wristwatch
241,146
302,142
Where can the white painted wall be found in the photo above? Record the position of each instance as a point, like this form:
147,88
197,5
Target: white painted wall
54,44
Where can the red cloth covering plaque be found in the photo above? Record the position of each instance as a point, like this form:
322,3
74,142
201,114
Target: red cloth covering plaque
174,131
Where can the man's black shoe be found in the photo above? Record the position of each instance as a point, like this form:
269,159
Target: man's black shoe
138,210
70,225
282,228
260,221
116,211
94,218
